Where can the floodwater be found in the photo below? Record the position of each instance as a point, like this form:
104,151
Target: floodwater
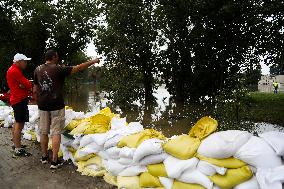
164,115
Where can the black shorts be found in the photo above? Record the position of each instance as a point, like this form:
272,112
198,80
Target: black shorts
21,111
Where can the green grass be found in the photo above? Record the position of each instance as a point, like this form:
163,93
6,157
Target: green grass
264,107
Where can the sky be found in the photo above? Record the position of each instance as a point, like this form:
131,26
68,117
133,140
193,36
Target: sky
91,52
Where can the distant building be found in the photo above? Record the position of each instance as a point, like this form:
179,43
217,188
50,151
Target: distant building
266,83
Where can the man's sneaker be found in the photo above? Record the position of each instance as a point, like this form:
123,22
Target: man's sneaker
56,165
21,153
22,146
44,160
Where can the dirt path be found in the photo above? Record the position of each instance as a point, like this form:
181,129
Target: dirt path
29,173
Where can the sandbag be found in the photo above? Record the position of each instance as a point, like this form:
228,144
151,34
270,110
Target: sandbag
258,153
264,181
275,139
110,179
91,148
133,171
167,183
113,167
175,167
125,161
118,123
73,124
128,182
126,152
203,128
134,140
209,169
113,152
195,177
93,170
223,144
230,163
232,178
182,185
182,147
157,170
250,184
80,129
99,124
148,147
149,181
153,159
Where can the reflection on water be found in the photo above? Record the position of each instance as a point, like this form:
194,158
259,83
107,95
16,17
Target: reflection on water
164,115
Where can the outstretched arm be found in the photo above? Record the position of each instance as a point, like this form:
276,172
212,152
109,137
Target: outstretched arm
84,65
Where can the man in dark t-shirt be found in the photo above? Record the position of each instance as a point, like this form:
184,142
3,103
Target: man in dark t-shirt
49,81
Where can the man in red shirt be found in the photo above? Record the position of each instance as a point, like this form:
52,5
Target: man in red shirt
20,89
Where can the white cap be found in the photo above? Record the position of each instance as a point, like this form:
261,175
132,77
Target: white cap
19,56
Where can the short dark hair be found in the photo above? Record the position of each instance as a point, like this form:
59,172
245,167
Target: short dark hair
50,54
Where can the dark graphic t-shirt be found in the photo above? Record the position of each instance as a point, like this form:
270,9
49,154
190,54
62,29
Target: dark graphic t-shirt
49,79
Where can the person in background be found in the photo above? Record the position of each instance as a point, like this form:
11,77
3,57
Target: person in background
275,86
20,89
48,88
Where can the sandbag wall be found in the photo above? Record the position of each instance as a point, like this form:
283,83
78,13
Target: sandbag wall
131,157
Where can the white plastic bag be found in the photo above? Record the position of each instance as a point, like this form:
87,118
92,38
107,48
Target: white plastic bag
148,147
258,153
153,159
224,144
276,140
175,167
166,182
133,171
195,177
209,169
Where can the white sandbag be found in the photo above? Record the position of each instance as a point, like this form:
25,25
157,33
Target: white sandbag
250,184
209,169
103,155
195,177
125,161
9,121
263,181
166,182
217,187
258,153
100,139
223,144
175,167
275,174
127,152
133,171
27,136
135,127
34,118
94,167
85,140
118,123
113,167
113,152
91,148
276,140
112,141
153,159
148,147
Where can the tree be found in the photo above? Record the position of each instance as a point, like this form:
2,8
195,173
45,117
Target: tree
126,38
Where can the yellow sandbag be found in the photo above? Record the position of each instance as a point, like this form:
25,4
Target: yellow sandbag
230,163
73,124
109,178
203,128
80,129
68,108
71,149
100,123
182,147
83,158
95,160
134,140
128,182
157,170
93,173
232,177
182,185
32,133
149,181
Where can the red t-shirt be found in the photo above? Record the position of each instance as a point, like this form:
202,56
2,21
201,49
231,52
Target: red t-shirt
14,78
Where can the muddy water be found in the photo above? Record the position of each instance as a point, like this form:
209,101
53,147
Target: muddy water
164,115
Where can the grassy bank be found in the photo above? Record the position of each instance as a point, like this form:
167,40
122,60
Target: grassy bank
264,107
